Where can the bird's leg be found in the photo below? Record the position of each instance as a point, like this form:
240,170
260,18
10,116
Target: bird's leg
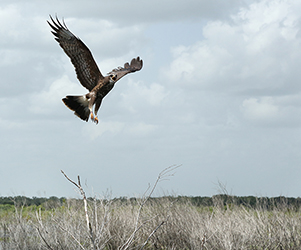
97,105
91,102
94,118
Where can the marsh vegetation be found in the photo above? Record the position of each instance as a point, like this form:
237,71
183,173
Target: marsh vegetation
162,223
218,222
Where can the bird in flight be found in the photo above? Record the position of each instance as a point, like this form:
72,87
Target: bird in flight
88,73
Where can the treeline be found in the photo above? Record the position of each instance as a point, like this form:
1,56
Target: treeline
248,201
34,201
198,201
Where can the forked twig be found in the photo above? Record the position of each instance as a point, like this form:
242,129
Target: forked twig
89,227
162,176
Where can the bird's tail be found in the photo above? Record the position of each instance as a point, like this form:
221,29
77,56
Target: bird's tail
79,104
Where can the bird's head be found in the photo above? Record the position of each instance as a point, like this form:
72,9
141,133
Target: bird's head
112,78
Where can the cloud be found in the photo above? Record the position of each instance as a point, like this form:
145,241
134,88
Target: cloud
130,12
48,101
263,109
156,11
248,66
112,128
107,38
141,129
273,111
139,96
247,54
106,127
197,65
216,74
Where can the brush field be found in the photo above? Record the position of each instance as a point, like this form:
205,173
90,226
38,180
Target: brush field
159,223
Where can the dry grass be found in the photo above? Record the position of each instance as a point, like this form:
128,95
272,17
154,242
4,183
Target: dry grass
161,224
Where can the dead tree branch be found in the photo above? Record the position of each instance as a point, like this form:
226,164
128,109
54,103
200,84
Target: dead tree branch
167,172
89,227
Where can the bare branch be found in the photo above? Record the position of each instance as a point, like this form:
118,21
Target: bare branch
48,246
153,232
89,227
165,173
69,179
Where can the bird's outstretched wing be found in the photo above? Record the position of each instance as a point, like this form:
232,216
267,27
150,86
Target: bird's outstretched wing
135,65
81,57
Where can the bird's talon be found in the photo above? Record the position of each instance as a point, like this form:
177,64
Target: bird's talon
96,120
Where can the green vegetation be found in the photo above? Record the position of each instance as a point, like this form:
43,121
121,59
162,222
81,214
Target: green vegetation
218,222
26,201
250,201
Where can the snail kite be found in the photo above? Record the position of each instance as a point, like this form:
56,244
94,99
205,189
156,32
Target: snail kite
88,73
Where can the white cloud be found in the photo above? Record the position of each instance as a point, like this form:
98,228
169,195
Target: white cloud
263,109
116,128
141,129
49,100
197,65
138,95
96,131
107,39
273,111
10,109
257,50
11,57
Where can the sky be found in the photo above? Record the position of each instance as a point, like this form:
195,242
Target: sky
219,95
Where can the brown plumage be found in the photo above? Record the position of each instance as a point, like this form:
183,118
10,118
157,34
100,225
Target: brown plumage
88,73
